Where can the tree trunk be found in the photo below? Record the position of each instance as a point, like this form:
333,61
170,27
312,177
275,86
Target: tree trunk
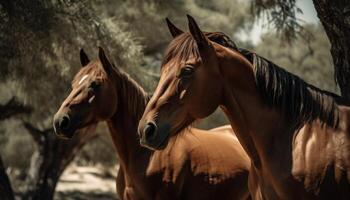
50,160
6,192
12,108
335,18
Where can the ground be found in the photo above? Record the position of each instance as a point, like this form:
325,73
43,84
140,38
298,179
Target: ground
81,183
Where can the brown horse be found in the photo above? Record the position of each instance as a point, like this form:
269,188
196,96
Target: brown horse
196,165
297,136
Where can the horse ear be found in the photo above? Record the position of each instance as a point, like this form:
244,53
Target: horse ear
196,32
107,66
173,29
84,59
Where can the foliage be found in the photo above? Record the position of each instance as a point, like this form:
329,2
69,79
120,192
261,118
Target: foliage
146,19
149,16
311,61
281,14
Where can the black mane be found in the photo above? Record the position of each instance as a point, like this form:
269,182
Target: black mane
299,101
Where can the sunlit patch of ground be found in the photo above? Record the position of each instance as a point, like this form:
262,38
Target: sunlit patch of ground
80,183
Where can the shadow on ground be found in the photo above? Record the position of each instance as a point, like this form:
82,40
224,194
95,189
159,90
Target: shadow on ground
91,195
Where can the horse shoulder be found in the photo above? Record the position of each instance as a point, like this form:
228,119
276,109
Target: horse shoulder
321,154
170,168
217,151
170,162
344,119
341,138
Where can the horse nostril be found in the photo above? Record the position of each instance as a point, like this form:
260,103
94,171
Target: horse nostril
64,123
150,130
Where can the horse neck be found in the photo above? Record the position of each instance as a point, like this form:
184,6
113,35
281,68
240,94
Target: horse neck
123,125
254,124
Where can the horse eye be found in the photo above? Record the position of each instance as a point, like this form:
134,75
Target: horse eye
94,85
187,71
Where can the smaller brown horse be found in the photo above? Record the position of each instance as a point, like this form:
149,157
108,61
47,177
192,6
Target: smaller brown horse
199,165
297,135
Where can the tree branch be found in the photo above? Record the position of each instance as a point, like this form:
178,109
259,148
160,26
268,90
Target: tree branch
282,15
12,108
37,135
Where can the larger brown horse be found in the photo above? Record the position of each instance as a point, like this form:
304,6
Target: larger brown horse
195,165
297,136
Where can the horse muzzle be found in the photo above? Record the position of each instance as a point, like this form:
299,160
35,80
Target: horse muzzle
62,126
153,136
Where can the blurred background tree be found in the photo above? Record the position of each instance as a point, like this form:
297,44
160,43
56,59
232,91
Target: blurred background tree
8,110
39,54
335,19
310,60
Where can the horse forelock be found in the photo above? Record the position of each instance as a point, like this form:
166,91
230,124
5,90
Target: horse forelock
184,46
181,49
93,69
